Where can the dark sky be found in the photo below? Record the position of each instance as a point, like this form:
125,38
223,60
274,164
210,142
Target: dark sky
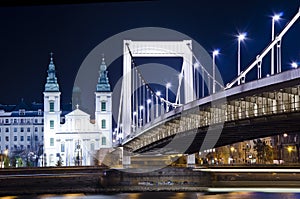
29,33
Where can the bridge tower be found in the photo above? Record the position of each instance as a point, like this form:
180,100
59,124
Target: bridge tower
153,49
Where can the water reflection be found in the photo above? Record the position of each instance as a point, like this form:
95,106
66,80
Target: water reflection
167,195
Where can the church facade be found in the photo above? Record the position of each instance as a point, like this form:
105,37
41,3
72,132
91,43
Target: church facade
61,139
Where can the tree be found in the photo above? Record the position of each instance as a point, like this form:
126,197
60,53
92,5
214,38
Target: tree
264,151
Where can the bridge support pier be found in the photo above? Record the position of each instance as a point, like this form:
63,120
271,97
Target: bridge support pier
191,160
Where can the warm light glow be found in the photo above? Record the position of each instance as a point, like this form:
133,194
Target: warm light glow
294,65
290,149
242,36
168,85
6,152
232,149
285,135
158,93
216,52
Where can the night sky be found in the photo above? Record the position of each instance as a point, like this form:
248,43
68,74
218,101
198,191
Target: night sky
29,33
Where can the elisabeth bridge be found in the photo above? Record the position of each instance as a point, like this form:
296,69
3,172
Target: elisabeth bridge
206,113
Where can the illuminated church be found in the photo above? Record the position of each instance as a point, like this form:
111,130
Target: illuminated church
76,141
50,135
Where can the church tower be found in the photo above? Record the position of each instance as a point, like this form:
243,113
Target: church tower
51,115
103,112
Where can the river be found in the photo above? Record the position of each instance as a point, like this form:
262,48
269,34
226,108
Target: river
168,195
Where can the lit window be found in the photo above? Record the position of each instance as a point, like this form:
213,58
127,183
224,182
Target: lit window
103,106
103,141
62,147
51,105
103,124
51,124
51,141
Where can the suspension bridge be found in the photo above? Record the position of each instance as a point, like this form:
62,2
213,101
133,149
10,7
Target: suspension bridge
206,113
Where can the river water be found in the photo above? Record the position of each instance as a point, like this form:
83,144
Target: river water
170,195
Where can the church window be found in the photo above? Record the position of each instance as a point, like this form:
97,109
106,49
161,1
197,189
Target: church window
51,124
51,141
103,124
62,147
51,105
103,141
103,106
22,112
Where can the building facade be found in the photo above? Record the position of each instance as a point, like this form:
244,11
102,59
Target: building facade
55,136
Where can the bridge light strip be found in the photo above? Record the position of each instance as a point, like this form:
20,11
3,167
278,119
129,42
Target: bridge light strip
287,170
255,189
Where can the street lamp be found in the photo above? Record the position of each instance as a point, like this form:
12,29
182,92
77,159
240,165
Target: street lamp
215,53
158,93
168,85
240,37
141,117
294,65
232,150
275,18
148,109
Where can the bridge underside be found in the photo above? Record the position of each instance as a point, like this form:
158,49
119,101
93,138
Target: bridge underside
250,111
232,132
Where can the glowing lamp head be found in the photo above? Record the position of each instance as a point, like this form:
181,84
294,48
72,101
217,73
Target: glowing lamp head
216,52
242,36
141,107
294,65
168,85
276,17
134,113
148,101
196,65
158,93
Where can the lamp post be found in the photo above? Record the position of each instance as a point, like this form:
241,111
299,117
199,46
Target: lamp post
232,150
274,19
156,96
215,53
294,65
168,85
241,37
148,110
141,117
